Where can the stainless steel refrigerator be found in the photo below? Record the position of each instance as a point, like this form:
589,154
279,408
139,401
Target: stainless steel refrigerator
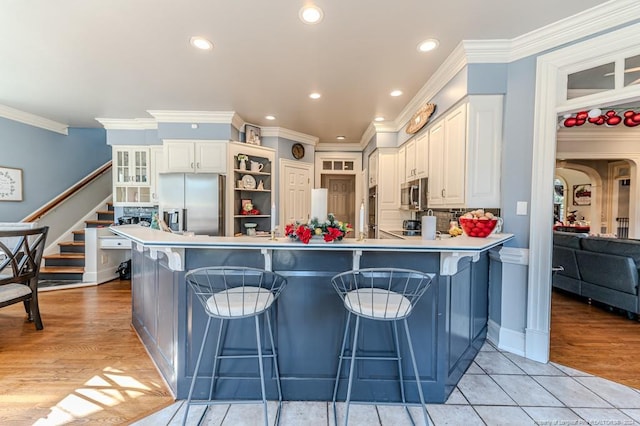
199,197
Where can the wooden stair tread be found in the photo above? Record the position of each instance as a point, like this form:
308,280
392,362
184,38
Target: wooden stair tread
99,222
61,270
71,243
64,256
81,231
111,212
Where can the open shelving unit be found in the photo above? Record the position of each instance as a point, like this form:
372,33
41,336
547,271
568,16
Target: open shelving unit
240,193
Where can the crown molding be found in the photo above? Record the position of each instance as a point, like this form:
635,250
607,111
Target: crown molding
367,135
128,123
583,24
281,132
33,120
216,117
487,51
454,63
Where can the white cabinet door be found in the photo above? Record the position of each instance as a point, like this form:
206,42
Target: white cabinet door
422,155
402,164
180,157
410,167
436,166
373,169
131,176
454,159
388,186
195,157
157,167
211,157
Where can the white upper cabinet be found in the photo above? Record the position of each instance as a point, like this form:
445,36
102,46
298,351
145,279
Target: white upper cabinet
132,177
410,160
388,183
413,158
402,164
464,155
185,156
373,168
157,166
422,152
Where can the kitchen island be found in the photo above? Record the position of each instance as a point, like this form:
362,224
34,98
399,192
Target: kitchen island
448,326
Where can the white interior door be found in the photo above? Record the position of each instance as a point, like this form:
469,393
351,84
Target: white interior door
295,192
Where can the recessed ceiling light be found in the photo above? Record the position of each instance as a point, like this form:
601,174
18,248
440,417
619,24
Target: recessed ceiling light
311,14
201,43
340,138
270,117
427,45
379,119
396,93
315,95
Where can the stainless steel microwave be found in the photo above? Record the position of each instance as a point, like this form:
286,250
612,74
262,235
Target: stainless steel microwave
413,195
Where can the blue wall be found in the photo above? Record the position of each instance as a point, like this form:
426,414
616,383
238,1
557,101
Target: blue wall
50,162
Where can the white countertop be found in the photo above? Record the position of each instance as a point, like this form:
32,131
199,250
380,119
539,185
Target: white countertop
154,238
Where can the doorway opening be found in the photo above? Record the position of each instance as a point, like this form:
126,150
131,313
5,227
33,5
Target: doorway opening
341,197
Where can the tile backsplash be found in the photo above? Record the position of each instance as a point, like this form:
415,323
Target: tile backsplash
444,216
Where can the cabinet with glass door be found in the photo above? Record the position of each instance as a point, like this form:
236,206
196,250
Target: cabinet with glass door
131,176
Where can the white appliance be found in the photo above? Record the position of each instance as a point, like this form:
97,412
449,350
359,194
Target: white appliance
195,202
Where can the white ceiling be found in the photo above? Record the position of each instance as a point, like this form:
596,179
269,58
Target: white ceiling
72,61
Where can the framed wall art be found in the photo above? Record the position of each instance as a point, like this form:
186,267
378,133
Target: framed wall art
10,184
582,194
252,134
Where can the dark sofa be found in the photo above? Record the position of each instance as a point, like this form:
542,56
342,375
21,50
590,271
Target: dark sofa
602,269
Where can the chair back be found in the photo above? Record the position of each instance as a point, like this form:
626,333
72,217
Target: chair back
21,253
381,293
235,292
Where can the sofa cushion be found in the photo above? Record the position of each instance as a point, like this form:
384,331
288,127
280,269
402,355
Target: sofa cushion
609,271
566,257
567,239
626,248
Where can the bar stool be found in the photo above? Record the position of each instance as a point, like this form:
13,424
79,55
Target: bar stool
229,293
380,294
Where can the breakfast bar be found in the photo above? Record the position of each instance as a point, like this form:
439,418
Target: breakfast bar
448,326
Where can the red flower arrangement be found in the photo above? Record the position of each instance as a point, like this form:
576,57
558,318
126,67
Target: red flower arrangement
331,230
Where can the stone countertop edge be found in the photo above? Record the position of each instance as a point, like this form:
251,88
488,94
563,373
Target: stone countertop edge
155,238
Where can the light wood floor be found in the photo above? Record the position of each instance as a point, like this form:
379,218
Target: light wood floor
86,366
592,339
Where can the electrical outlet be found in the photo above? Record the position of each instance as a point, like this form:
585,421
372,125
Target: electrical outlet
104,259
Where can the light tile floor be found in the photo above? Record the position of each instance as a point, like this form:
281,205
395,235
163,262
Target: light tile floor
499,388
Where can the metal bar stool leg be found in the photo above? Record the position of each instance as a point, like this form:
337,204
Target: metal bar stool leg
351,367
275,366
415,372
397,343
335,386
262,386
195,372
215,359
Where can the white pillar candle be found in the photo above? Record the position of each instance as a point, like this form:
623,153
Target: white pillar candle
319,198
362,218
273,216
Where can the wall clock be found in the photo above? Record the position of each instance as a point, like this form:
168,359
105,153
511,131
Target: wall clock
297,150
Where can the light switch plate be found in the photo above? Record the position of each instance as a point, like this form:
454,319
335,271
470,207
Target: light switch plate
521,208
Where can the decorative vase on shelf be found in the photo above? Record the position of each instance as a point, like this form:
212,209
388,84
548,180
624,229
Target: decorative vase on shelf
243,164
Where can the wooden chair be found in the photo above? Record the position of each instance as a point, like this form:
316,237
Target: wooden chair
20,257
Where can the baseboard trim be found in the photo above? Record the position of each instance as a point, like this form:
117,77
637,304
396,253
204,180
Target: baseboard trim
506,339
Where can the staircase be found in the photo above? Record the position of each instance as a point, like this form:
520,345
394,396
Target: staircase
67,266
